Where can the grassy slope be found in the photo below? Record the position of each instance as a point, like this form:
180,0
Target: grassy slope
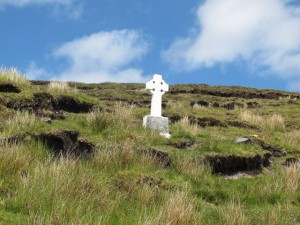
117,185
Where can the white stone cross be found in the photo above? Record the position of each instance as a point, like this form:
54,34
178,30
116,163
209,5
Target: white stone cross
157,87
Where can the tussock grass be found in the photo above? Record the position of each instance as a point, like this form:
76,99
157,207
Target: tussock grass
61,87
275,122
185,125
292,177
293,138
233,214
121,117
20,121
179,209
63,192
12,75
197,107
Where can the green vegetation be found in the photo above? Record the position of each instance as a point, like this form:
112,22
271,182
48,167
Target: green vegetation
122,181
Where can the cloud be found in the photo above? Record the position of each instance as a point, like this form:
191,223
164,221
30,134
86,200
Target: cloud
100,57
71,7
266,34
22,3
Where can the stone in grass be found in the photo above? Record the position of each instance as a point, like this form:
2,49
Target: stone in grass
155,121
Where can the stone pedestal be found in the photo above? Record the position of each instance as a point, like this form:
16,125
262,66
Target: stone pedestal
158,123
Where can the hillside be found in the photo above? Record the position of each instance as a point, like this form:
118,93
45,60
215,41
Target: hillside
74,153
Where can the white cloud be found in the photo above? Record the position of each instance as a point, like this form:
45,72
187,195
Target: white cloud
70,7
22,3
101,57
266,34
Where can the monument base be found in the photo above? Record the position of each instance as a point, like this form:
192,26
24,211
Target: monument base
157,123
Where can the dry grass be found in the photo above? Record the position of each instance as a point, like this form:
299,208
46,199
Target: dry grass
19,121
13,75
292,177
191,169
178,107
184,124
274,122
61,87
198,107
232,214
124,113
292,138
179,209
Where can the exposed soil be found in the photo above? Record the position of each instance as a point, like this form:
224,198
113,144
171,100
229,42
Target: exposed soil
182,144
233,105
208,122
174,118
71,104
15,139
240,124
237,94
253,105
228,165
276,151
291,162
66,143
162,157
11,88
45,101
22,104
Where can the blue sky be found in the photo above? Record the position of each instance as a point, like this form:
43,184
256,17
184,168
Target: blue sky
250,43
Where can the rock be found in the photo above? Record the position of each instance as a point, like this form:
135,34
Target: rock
11,88
66,143
243,140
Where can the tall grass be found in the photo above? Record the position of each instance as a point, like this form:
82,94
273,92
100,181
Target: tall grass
61,87
274,122
185,125
292,138
232,214
13,75
20,121
292,177
121,117
179,209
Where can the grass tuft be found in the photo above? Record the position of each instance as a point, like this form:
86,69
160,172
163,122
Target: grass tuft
61,87
275,122
13,75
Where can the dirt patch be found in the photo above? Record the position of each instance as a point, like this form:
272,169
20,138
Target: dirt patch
228,165
276,151
71,104
43,100
162,157
237,94
22,104
233,105
182,144
240,124
10,88
40,82
208,122
66,143
15,139
252,105
291,162
174,118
